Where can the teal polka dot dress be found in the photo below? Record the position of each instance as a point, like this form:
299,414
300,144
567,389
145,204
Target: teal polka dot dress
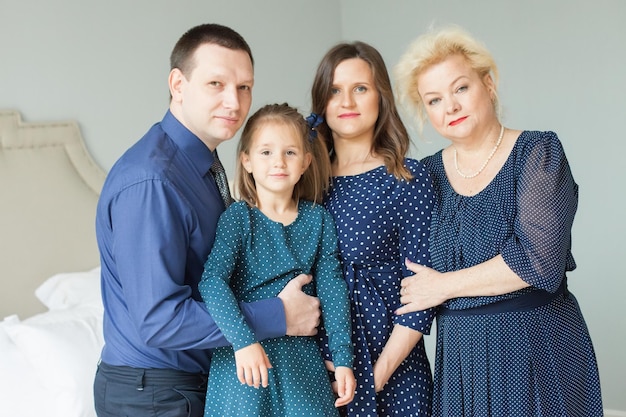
253,258
518,362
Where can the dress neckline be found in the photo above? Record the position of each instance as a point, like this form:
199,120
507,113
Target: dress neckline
361,173
490,183
295,220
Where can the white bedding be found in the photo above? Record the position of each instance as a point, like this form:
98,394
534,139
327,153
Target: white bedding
48,361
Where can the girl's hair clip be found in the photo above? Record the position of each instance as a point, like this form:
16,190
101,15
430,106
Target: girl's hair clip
313,121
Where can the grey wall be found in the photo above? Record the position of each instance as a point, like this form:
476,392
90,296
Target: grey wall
562,63
105,64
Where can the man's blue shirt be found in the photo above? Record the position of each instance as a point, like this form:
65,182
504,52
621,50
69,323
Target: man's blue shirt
155,224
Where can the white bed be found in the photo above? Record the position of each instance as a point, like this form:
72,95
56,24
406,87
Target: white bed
50,335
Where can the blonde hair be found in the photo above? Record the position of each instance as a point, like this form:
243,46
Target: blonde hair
432,48
316,179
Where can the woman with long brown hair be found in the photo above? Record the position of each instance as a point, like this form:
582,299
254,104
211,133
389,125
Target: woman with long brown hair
381,202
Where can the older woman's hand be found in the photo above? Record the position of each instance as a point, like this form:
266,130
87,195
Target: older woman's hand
421,291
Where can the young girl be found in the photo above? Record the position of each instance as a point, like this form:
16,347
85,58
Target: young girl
276,233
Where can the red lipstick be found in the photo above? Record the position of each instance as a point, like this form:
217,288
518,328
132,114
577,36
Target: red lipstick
458,121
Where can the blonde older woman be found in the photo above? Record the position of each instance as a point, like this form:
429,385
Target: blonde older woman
511,339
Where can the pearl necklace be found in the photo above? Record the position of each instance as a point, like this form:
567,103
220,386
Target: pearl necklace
495,148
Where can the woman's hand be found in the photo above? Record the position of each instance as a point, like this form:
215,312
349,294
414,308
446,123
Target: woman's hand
252,365
382,373
346,385
399,345
422,290
429,288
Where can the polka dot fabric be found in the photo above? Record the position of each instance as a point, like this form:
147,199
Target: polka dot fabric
252,259
532,363
380,222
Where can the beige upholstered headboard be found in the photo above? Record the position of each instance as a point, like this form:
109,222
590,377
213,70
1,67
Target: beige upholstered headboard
49,188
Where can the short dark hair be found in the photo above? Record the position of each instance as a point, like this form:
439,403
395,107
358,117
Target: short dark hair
211,33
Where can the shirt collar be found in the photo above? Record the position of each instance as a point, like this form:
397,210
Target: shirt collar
199,154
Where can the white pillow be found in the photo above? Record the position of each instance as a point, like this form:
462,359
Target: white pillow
22,394
63,347
71,289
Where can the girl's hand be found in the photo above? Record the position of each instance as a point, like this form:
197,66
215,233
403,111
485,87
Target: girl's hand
330,367
252,365
346,385
422,290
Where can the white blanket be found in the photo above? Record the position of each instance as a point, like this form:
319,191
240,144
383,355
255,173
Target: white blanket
49,360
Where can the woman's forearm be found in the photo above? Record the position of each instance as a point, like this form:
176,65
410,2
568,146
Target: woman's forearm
399,345
492,277
429,288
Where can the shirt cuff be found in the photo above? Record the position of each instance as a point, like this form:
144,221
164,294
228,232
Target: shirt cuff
266,318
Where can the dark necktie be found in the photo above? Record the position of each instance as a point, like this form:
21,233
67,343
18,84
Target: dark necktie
219,174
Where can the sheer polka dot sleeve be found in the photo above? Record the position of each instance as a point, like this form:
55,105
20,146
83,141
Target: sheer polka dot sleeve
539,250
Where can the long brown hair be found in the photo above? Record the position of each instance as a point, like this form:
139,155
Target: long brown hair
315,180
391,139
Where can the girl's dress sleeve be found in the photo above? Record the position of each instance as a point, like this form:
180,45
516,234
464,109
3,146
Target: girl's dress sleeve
214,286
415,213
332,291
539,251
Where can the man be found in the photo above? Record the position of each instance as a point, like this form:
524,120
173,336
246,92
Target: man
155,225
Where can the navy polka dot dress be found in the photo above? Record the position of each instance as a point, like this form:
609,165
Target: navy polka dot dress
380,222
252,259
513,362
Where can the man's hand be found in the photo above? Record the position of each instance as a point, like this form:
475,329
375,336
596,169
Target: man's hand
302,312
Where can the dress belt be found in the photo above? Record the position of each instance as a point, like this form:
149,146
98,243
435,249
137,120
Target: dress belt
524,302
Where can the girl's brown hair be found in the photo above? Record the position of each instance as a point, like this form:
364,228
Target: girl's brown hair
315,180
